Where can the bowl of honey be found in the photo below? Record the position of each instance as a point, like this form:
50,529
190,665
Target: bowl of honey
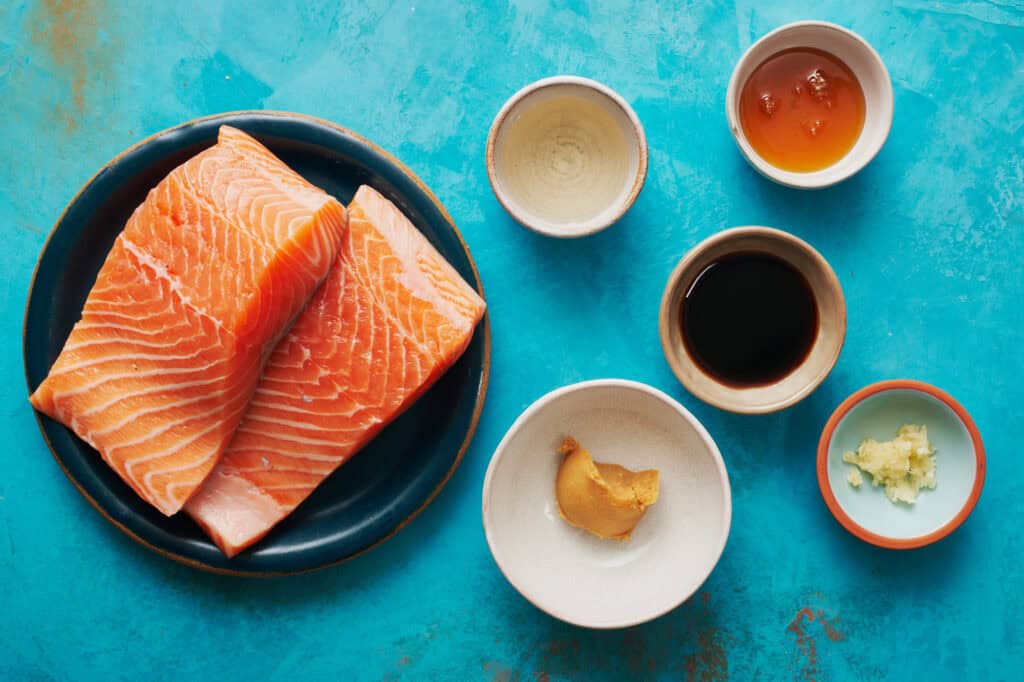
810,104
752,320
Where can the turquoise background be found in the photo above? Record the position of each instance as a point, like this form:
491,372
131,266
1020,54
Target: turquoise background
927,242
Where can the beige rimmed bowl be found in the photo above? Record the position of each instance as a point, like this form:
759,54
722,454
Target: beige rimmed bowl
828,296
566,156
566,571
866,65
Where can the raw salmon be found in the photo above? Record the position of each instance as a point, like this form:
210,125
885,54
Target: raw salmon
206,277
391,317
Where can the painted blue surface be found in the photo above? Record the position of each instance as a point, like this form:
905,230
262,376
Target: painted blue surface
927,242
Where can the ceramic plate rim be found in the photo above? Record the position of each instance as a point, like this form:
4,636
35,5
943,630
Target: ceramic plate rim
825,442
542,403
315,121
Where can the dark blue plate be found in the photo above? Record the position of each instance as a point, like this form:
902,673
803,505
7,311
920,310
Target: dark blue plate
381,488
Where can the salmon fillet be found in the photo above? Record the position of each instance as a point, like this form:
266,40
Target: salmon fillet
390,319
205,278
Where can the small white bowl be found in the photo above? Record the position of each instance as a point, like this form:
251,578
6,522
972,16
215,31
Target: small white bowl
866,65
568,572
566,156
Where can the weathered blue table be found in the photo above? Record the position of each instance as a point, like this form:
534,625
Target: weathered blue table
927,242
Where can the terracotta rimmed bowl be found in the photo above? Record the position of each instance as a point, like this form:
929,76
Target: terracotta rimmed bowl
877,411
575,576
799,383
566,156
866,65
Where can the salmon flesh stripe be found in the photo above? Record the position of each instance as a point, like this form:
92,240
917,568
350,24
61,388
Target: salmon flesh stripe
203,281
391,318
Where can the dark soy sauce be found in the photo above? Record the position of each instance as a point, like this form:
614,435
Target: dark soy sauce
749,319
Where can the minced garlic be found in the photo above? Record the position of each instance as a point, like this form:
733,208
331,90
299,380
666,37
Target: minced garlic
903,465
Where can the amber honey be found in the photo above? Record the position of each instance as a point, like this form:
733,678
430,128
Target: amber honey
802,109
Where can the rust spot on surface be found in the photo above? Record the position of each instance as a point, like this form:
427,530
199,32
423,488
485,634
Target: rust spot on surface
709,663
404,660
500,673
807,647
805,642
559,654
563,647
74,35
691,644
831,631
635,650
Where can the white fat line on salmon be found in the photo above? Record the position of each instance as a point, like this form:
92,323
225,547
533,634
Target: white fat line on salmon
301,487
408,244
107,307
276,470
157,388
298,425
260,158
175,286
384,327
459,301
318,406
307,407
326,405
57,395
132,357
170,496
163,331
198,463
329,457
253,435
124,342
231,220
232,214
217,415
325,247
382,305
96,299
278,363
251,432
139,414
286,211
73,422
278,464
287,439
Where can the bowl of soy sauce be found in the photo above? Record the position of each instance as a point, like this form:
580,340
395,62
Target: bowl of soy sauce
752,320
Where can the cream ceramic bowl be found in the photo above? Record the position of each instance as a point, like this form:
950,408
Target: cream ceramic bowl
566,156
828,295
865,63
568,572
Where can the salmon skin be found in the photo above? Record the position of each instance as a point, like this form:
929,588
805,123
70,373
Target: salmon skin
205,278
391,318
